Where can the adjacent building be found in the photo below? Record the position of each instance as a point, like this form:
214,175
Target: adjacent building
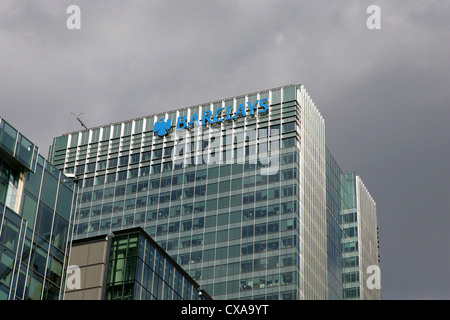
37,205
241,192
360,244
128,265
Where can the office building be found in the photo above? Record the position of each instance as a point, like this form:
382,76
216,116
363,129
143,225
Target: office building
37,205
241,192
360,243
128,265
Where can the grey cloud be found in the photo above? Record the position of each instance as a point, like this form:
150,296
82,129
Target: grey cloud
383,93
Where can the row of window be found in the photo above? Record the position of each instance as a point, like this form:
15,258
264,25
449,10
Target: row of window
179,179
234,287
269,281
167,165
350,247
351,232
235,268
231,251
224,235
350,277
175,211
197,207
170,166
351,293
200,206
349,217
211,204
247,285
195,224
350,262
167,151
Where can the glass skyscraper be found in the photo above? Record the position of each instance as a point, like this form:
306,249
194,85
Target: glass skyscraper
241,192
37,205
360,244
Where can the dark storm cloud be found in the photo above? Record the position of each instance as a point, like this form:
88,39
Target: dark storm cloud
383,93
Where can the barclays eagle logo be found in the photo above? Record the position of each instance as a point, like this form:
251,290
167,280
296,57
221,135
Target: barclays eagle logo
162,126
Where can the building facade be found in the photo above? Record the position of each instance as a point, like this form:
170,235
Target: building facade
128,265
360,242
37,205
238,192
335,232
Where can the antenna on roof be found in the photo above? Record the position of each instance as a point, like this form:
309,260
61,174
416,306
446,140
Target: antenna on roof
79,120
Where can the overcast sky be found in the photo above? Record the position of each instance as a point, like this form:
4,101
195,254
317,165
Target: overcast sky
384,93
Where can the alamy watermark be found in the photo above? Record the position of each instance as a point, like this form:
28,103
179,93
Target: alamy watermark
374,20
374,280
73,22
73,279
259,147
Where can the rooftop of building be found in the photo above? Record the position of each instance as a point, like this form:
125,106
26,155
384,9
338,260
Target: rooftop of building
183,108
139,230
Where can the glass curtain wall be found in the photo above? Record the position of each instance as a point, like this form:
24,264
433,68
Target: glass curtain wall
36,220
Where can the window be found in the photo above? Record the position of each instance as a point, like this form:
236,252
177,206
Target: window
225,170
351,231
200,190
146,156
210,221
111,177
350,277
168,151
123,160
99,180
157,153
213,173
351,293
156,168
246,267
236,184
112,163
90,167
288,142
121,175
274,193
133,173
224,186
88,182
290,126
134,158
223,202
120,191
79,170
212,188
198,223
222,219
144,171
221,253
350,262
167,166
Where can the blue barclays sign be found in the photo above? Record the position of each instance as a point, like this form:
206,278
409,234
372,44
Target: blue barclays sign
162,126
218,116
